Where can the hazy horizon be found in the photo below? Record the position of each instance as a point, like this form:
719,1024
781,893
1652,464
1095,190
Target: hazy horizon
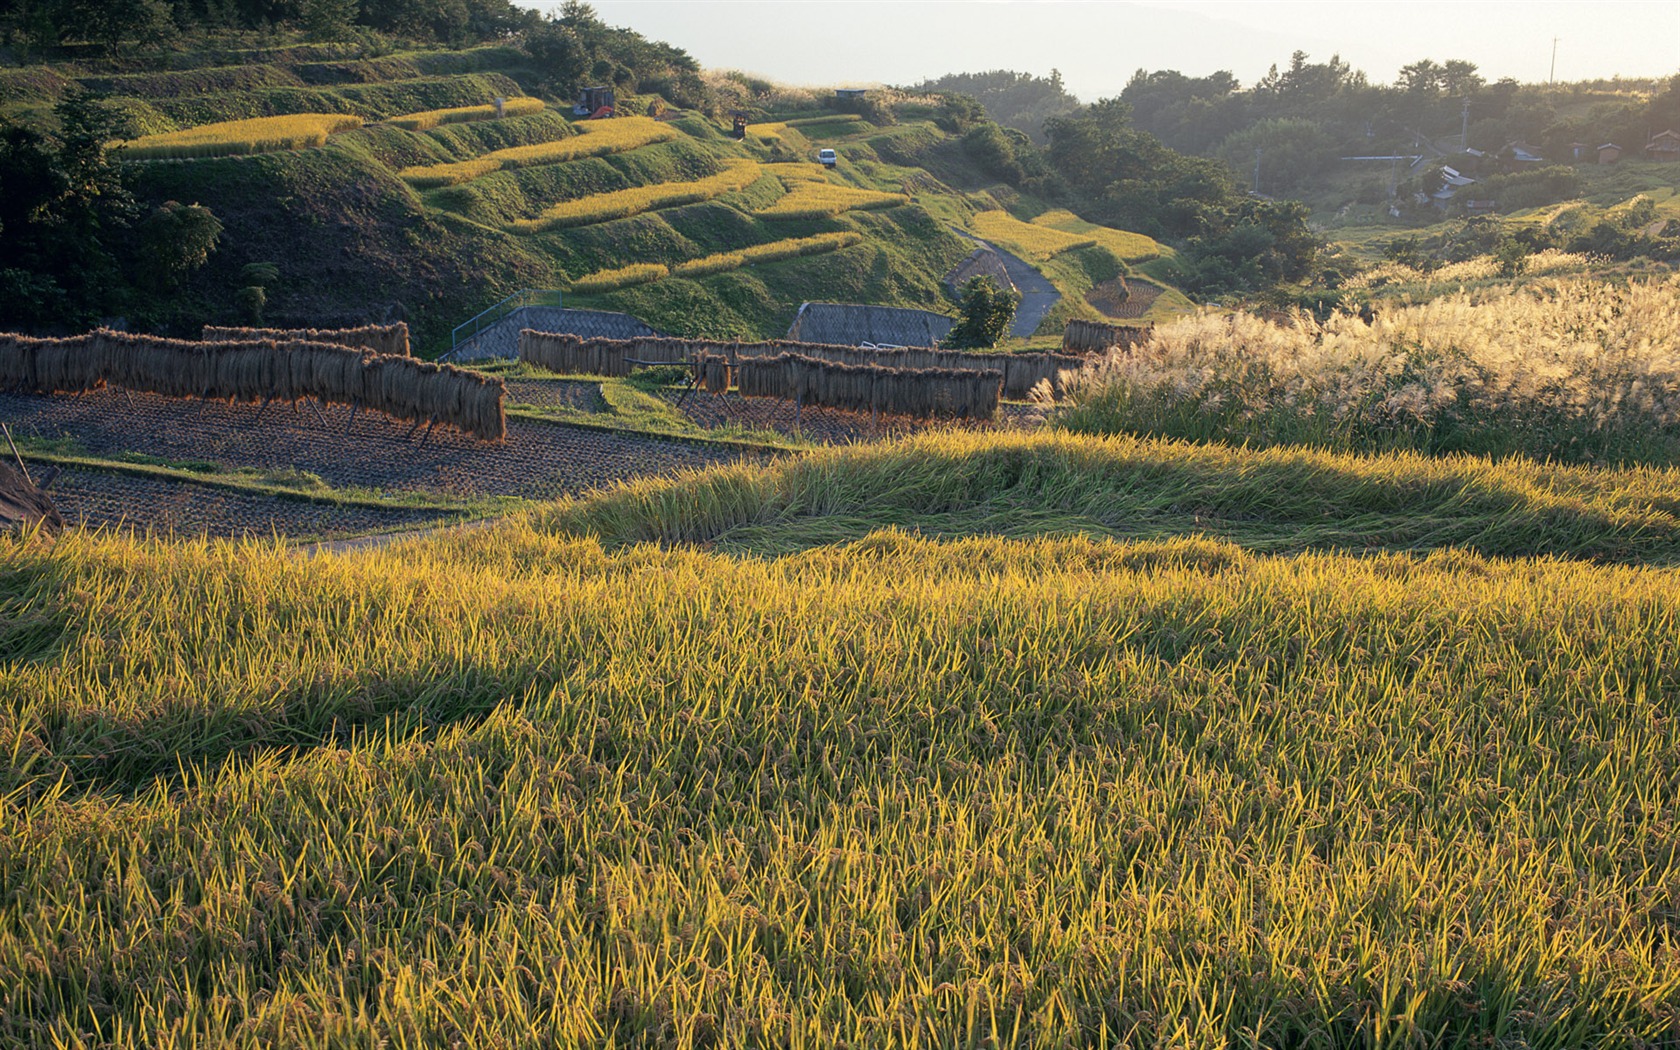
907,41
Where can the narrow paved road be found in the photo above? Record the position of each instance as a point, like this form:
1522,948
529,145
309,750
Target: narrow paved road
1037,294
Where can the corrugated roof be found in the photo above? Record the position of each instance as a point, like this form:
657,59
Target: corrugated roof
851,324
592,324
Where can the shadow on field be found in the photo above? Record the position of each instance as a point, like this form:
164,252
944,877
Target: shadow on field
34,621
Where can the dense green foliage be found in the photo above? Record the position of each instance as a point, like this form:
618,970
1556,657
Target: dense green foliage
149,23
1305,115
78,246
984,318
1015,100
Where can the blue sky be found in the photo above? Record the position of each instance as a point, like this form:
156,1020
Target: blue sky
1098,44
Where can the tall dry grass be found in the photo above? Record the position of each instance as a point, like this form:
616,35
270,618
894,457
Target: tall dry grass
1573,369
1552,262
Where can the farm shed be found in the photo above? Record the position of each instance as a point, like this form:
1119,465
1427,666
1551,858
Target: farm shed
1664,145
849,324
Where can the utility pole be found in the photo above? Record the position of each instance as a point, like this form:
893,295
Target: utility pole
1464,135
1552,78
1257,171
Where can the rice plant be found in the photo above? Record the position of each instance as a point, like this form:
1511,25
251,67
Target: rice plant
431,118
618,204
773,251
1122,244
543,785
1028,240
621,277
809,199
595,138
233,137
1571,369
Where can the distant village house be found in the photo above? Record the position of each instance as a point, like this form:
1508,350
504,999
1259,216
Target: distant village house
1665,145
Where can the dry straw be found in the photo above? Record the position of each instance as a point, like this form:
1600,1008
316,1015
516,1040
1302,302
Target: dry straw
923,393
1095,337
575,355
258,371
380,338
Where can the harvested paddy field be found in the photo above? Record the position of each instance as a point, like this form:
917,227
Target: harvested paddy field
374,464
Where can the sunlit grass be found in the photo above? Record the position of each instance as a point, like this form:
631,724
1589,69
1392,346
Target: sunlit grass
525,786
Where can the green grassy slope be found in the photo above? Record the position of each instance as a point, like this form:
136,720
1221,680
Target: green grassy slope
353,241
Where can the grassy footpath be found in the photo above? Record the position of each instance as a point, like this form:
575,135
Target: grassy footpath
538,784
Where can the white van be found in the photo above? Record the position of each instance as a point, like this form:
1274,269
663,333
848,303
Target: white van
827,158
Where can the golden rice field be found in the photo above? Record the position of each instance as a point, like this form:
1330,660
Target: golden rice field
1571,369
620,277
1122,244
619,204
595,138
233,137
809,199
1026,239
431,118
773,251
1026,740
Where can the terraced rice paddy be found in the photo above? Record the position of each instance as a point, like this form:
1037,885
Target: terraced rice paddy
1122,244
258,135
431,118
619,204
1028,240
594,139
808,199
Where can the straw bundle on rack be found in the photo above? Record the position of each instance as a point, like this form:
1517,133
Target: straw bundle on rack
389,339
258,370
49,366
712,372
571,354
1095,337
924,393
